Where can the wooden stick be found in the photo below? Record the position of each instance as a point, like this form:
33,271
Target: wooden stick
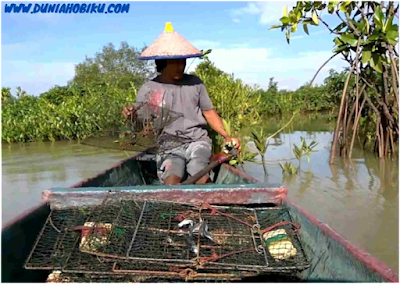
344,139
382,145
379,136
357,119
395,78
391,140
353,108
357,93
387,143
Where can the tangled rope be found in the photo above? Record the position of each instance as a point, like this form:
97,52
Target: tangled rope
214,211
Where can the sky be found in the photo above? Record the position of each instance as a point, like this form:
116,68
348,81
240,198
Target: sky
39,51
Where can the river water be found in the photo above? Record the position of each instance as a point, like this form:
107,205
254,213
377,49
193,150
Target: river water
356,197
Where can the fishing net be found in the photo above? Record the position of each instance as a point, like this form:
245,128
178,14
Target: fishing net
168,240
151,127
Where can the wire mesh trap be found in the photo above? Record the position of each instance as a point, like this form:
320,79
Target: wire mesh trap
152,126
168,240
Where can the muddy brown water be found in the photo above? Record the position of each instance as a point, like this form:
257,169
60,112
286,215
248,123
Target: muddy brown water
356,197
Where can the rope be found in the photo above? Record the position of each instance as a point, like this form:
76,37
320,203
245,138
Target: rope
214,256
296,226
215,211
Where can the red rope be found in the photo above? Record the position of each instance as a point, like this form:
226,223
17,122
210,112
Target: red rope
215,211
214,257
296,226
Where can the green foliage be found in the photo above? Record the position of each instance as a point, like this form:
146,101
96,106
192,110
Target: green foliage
114,65
304,149
288,168
236,102
244,154
105,84
5,95
31,118
57,94
259,137
375,31
299,152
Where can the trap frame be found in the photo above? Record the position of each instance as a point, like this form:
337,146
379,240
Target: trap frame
123,236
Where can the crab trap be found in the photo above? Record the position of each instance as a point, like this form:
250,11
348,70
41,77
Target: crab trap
152,240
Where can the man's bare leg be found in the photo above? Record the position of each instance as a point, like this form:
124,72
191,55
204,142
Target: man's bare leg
173,179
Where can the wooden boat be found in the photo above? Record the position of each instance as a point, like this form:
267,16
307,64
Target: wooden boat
330,257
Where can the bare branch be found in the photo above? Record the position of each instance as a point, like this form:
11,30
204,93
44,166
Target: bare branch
380,102
357,90
322,67
356,32
355,127
396,9
332,31
336,134
371,104
340,17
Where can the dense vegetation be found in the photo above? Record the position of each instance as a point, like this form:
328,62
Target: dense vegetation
366,38
103,85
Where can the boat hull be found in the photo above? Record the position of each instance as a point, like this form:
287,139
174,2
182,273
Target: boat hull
332,258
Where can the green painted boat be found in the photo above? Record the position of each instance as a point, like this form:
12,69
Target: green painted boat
326,256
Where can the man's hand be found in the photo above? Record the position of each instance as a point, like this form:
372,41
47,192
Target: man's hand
235,142
215,122
127,111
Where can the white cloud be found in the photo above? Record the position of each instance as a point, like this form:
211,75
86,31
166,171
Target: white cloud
36,77
251,8
257,65
205,44
32,77
270,11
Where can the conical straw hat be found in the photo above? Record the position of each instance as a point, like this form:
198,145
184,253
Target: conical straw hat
170,45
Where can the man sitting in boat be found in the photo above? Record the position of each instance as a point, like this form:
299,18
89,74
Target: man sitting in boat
182,94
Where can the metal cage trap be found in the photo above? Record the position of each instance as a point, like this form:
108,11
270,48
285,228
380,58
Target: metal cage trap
166,240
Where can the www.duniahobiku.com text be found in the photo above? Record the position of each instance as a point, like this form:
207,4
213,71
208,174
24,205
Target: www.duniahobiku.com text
63,8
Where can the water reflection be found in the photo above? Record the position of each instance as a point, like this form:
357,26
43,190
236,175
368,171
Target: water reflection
28,169
357,197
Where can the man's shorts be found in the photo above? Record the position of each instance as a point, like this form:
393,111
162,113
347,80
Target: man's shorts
191,157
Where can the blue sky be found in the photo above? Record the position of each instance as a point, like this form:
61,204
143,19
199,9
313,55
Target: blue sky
41,50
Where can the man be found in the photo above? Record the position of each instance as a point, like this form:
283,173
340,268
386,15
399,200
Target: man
186,95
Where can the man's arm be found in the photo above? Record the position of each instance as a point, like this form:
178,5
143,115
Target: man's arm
215,121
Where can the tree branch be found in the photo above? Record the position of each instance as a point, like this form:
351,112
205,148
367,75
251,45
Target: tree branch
327,26
336,134
340,17
371,104
355,127
356,32
380,102
322,67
